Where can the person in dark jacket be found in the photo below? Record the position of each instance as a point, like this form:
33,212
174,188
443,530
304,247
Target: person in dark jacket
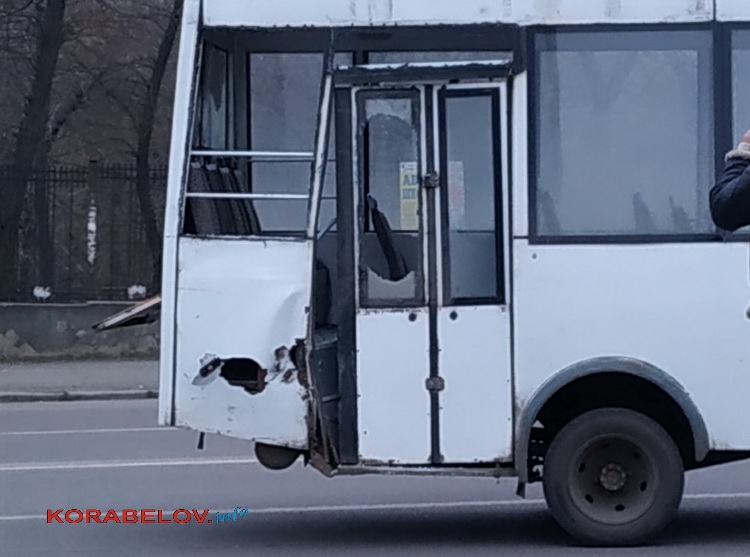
730,197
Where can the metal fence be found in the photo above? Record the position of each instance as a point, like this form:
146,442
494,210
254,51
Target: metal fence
93,246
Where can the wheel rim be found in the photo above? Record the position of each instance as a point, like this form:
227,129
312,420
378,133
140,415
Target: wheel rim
613,480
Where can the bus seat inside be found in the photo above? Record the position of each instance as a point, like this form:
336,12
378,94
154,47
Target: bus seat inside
394,257
230,217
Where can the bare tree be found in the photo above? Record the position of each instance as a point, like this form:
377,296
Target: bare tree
145,129
49,25
49,105
138,91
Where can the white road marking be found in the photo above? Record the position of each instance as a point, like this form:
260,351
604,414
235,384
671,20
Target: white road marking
403,506
700,496
71,431
23,517
343,508
83,465
397,506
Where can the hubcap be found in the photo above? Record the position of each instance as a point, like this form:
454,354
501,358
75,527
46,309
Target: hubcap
613,480
613,477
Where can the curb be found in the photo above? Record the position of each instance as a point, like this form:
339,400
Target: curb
56,396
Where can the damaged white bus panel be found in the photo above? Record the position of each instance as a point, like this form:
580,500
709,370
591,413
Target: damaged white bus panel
473,238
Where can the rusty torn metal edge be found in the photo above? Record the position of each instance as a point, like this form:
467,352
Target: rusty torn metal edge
502,471
121,318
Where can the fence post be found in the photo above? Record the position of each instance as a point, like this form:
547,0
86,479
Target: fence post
92,183
43,209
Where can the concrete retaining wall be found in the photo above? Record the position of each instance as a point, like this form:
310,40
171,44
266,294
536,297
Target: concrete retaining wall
63,331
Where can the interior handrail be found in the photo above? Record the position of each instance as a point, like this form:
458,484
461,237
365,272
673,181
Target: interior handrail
233,195
282,155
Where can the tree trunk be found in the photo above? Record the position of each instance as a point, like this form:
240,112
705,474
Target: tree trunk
148,215
145,132
30,138
46,276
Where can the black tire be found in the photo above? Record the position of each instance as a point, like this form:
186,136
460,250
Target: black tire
613,477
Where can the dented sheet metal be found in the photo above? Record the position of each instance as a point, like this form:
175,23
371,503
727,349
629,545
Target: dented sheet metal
241,309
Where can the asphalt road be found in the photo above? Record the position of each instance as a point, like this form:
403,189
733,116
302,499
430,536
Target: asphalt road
110,455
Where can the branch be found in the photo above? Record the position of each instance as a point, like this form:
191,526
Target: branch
78,101
146,121
23,8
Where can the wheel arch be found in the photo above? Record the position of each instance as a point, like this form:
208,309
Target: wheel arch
622,366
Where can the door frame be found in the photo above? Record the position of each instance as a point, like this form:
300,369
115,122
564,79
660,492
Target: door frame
499,90
495,442
405,319
429,79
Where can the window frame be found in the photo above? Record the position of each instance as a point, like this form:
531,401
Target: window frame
726,136
497,120
291,48
358,43
716,54
361,182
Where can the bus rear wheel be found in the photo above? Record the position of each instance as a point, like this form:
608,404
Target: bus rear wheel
613,477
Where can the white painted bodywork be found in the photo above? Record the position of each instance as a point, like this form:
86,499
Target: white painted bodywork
393,406
732,10
476,405
679,307
326,13
186,60
519,158
241,298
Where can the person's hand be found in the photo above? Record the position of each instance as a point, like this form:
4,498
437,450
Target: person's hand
743,148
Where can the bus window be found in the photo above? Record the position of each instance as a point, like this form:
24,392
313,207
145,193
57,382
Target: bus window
740,82
257,186
283,105
596,94
220,217
740,92
284,96
471,197
221,201
390,250
211,130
